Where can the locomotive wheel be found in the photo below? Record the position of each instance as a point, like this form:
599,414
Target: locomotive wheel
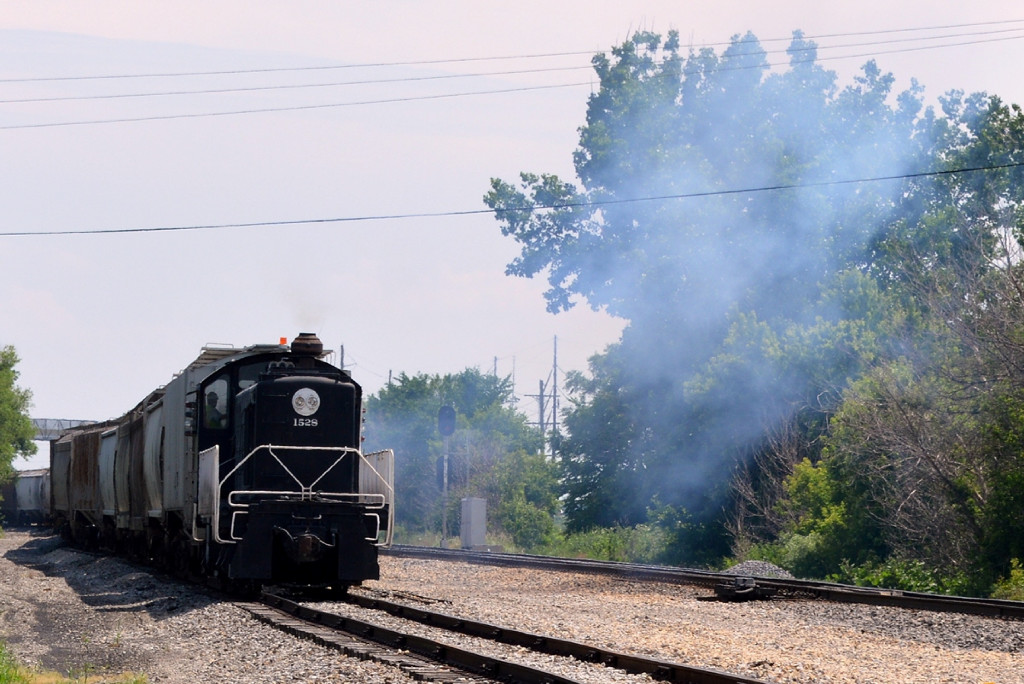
246,589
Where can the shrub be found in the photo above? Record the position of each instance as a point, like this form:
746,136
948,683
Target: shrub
640,544
1012,587
908,575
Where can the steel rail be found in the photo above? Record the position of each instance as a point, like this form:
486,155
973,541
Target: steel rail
726,583
487,666
633,664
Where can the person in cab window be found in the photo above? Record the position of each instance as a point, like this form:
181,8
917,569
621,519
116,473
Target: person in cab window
214,416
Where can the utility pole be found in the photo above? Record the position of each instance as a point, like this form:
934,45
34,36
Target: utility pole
542,404
541,416
543,423
554,397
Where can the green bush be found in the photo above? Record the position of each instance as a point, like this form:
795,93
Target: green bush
1012,587
529,526
907,575
640,544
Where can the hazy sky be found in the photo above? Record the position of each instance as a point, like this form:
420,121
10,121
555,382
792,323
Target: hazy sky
395,124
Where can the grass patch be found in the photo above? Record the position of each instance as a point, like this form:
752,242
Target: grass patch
10,673
13,673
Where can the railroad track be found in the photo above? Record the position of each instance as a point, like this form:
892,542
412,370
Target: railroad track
433,660
730,586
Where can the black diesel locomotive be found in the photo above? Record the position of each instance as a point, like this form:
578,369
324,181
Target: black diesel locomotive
245,469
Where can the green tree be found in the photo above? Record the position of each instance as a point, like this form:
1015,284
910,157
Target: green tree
598,475
16,429
523,492
403,416
713,214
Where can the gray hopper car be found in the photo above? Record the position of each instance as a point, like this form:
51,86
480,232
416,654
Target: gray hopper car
26,499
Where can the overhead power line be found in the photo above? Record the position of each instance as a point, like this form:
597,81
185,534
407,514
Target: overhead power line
271,70
457,60
290,108
490,74
441,96
564,205
296,86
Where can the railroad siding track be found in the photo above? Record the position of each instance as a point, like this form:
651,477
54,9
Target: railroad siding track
726,583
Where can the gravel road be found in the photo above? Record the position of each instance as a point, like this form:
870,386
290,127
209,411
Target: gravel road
81,614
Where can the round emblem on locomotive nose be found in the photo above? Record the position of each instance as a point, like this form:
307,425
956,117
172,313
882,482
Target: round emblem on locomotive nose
305,402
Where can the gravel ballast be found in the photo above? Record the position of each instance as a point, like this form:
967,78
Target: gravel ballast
77,614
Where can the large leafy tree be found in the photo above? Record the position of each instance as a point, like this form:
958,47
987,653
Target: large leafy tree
490,438
16,429
717,204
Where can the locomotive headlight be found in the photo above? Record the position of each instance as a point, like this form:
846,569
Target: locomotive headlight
305,402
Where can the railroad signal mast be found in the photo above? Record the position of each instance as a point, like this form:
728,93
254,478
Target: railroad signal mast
446,426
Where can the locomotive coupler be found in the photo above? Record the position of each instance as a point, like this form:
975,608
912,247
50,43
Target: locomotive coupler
304,547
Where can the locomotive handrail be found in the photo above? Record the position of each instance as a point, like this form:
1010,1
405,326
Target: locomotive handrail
270,448
377,501
356,497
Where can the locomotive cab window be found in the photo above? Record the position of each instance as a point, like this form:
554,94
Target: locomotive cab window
215,405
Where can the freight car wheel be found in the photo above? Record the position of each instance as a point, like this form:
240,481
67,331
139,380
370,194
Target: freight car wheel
155,546
108,536
178,559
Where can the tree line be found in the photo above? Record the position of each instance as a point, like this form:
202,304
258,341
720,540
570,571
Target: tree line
823,289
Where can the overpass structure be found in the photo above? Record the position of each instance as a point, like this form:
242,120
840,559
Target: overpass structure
50,428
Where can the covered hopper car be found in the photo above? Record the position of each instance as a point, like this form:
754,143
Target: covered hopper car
245,469
26,498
